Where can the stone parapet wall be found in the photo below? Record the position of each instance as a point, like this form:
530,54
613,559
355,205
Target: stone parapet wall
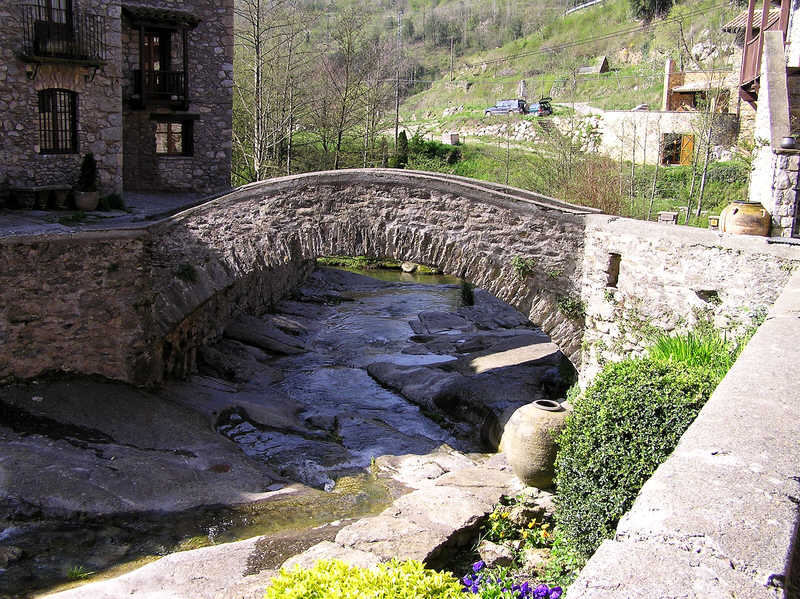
669,278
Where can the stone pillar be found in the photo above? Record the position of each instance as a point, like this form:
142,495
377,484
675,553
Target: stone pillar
785,195
668,69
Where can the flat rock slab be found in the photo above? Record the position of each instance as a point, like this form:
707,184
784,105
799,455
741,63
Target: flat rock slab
209,573
515,356
329,550
437,322
104,435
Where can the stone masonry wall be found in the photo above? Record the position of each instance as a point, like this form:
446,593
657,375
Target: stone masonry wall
210,54
75,303
99,104
670,278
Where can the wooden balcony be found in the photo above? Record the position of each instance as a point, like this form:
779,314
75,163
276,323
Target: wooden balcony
56,35
160,88
753,48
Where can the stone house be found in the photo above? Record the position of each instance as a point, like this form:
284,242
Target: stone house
146,86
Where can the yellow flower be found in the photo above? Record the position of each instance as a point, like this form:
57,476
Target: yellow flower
504,514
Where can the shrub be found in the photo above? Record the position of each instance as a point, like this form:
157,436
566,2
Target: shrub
625,424
87,179
570,306
524,267
337,580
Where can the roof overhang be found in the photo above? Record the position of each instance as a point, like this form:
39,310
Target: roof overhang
159,17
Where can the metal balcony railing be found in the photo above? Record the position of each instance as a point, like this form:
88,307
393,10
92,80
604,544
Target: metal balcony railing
159,86
65,35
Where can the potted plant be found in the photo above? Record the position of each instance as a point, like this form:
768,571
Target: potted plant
86,196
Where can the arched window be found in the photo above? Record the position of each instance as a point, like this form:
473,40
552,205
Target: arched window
58,121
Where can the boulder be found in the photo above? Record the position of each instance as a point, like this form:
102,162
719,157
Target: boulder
263,334
495,555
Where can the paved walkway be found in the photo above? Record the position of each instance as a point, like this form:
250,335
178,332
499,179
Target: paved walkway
141,208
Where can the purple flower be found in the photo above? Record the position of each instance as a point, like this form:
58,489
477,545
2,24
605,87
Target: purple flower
466,581
478,566
474,589
525,589
541,591
555,593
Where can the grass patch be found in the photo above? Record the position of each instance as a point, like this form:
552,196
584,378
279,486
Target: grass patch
359,262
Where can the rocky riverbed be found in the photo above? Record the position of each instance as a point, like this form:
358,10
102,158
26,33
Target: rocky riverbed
354,394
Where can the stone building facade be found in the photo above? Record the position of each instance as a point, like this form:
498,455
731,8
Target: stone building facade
155,113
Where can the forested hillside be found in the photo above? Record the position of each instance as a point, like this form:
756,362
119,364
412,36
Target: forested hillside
324,85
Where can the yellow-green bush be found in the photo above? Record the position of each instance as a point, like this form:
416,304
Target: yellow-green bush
337,580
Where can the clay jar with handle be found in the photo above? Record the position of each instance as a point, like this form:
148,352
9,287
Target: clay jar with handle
529,441
744,218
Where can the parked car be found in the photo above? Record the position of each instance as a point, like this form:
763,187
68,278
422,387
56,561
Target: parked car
507,107
541,108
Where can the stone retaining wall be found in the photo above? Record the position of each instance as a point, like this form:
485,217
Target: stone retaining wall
668,278
75,303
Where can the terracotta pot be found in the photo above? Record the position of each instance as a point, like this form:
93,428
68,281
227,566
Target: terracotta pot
86,200
745,218
529,441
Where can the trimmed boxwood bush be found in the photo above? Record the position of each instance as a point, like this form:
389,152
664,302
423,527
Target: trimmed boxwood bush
625,424
337,580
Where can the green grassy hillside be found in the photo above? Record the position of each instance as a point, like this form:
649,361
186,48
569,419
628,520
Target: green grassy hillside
548,58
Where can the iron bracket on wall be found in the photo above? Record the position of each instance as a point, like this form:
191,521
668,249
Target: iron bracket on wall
31,75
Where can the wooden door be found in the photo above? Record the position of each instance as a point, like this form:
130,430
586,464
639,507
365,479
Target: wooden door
687,149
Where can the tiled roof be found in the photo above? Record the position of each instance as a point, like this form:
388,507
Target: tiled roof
739,22
159,15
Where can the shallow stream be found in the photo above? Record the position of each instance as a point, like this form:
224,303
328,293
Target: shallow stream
348,419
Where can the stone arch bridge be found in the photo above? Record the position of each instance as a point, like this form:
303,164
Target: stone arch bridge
135,304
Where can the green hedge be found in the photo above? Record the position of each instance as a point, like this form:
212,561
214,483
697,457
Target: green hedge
625,424
337,580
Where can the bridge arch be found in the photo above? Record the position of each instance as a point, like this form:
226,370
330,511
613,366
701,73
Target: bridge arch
240,252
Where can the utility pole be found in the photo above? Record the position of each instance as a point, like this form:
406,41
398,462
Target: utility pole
397,78
508,144
451,58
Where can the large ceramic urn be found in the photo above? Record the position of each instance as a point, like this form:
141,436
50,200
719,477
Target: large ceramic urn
745,218
529,441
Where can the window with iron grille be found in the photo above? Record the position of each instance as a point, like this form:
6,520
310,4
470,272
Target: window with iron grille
58,122
174,138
